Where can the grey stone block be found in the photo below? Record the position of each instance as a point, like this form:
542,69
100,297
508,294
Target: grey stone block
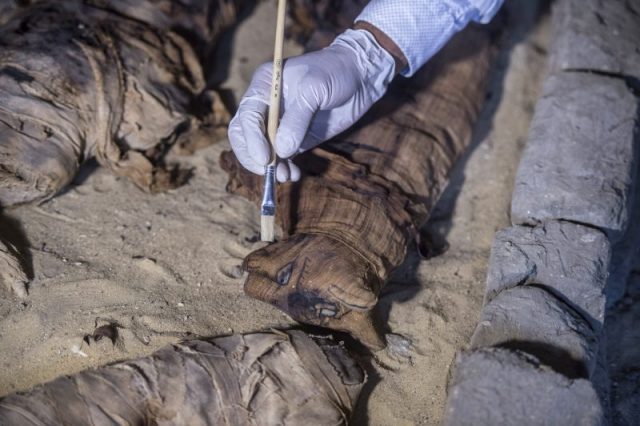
623,261
533,320
596,35
601,380
501,387
579,164
571,259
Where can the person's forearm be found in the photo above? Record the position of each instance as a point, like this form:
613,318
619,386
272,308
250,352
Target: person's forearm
414,30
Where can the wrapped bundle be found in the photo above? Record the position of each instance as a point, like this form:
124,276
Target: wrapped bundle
363,196
115,80
251,379
12,273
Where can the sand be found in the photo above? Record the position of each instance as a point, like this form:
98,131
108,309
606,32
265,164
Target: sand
167,266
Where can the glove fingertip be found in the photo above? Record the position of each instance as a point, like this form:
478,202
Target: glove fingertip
287,145
260,153
294,172
282,172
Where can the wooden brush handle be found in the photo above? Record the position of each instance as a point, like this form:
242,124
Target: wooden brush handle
276,79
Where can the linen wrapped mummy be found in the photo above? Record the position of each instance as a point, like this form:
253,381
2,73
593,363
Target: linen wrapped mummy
252,379
116,80
12,274
363,196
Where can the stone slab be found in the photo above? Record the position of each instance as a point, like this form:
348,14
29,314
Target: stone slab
579,162
601,379
533,320
501,387
596,35
571,259
623,261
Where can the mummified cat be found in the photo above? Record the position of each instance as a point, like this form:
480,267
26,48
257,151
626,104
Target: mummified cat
116,80
244,379
363,196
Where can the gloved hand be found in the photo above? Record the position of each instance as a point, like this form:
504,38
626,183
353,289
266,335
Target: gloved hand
323,93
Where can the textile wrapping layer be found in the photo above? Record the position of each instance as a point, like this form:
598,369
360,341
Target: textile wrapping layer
362,197
251,379
123,83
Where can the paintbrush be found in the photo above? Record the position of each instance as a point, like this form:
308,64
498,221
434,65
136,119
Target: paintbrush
268,206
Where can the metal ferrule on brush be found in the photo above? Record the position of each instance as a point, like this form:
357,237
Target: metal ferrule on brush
268,207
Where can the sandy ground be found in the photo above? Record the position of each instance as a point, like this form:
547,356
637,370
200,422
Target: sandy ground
167,266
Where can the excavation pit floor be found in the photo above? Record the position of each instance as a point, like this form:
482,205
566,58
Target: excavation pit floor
166,267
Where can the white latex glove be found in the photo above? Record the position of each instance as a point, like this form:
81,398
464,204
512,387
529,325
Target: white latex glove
323,93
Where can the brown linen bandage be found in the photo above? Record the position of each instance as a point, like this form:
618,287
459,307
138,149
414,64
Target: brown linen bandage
363,195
